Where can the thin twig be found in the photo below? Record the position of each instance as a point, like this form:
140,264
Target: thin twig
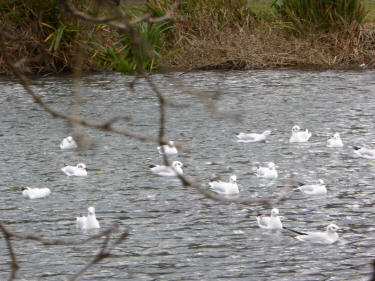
104,253
14,265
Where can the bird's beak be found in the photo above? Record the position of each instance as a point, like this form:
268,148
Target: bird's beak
340,229
184,165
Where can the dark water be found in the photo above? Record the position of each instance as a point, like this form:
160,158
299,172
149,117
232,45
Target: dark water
175,234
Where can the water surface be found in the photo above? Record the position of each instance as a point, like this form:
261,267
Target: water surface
175,234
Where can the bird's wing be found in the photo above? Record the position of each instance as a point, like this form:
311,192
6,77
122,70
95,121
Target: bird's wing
248,137
263,221
81,222
295,231
314,237
308,188
218,186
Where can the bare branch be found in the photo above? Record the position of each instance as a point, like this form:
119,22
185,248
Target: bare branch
14,265
104,253
60,242
126,22
168,15
68,6
208,100
267,201
161,115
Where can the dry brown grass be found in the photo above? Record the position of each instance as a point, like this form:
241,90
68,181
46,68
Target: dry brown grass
244,42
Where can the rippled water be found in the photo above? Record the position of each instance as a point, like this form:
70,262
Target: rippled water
175,234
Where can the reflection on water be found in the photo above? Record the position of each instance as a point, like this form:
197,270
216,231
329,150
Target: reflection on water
175,233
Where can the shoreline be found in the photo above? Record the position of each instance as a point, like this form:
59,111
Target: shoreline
195,41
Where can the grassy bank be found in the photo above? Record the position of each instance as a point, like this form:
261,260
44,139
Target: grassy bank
205,34
258,37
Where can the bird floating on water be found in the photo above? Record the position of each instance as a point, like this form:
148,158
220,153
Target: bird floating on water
335,141
168,149
270,222
35,193
68,143
89,222
299,135
268,172
168,171
254,137
225,188
329,236
79,171
364,152
313,189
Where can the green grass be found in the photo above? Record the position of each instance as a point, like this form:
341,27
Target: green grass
128,55
370,7
321,15
263,9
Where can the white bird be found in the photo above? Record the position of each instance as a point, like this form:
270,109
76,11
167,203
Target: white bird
168,171
299,135
268,172
88,222
225,188
320,237
272,222
80,170
335,141
68,143
253,137
313,189
35,193
364,152
169,148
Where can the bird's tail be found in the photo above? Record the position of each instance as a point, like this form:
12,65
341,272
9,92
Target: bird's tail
294,231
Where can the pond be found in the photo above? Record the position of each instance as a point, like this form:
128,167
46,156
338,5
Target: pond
176,233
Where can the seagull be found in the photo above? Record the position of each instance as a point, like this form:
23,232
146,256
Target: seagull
335,141
313,189
168,148
225,188
299,135
168,171
88,222
364,152
35,193
268,172
272,222
319,237
68,143
80,170
253,137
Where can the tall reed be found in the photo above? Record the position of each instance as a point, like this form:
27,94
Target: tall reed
321,15
128,55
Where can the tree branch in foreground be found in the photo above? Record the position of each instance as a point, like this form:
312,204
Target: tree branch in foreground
102,254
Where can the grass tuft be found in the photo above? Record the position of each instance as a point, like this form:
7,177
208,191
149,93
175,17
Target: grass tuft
321,15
